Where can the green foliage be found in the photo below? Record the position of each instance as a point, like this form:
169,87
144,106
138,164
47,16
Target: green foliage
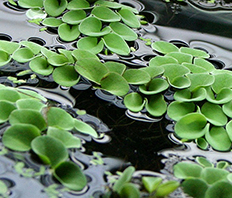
204,180
80,16
45,130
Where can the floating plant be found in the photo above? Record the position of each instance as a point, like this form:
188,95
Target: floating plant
94,24
151,186
47,131
204,180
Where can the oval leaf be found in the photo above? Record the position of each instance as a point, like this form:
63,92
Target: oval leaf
129,18
55,7
136,76
66,76
156,105
85,128
19,136
105,14
28,116
50,150
68,33
134,102
191,126
58,117
116,44
70,175
115,84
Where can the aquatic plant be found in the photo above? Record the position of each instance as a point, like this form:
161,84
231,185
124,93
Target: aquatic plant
151,186
94,24
204,180
47,131
202,93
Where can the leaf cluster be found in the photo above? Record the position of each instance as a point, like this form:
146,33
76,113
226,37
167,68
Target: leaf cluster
94,25
204,180
44,130
153,187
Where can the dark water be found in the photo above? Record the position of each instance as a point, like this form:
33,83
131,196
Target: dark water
128,138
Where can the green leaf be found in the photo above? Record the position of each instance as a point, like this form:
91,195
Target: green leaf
200,80
52,22
68,32
58,117
92,26
162,60
70,175
55,7
69,140
164,48
223,165
227,108
124,31
115,84
116,44
222,189
202,143
84,128
181,57
115,67
166,188
153,71
151,183
174,70
218,138
213,175
28,116
57,60
124,178
91,44
19,136
105,14
134,102
186,95
30,104
4,58
176,110
204,64
67,54
222,97
222,81
195,187
156,85
9,47
74,17
78,5
129,18
9,94
184,170
5,108
129,190
156,105
191,126
31,3
229,129
91,69
214,114
195,69
109,4
66,76
34,47
50,150
23,55
136,76
41,66
204,162
83,54
194,52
